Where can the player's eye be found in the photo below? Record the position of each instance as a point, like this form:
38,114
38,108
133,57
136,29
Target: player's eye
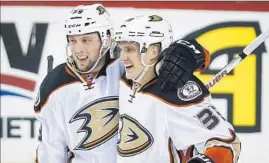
130,49
72,40
86,40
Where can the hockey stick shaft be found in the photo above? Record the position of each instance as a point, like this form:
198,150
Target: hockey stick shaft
50,63
246,51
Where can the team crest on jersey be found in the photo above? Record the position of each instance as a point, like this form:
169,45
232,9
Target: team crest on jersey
134,138
155,18
101,121
101,10
189,91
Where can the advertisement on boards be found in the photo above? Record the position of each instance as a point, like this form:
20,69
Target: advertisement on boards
31,32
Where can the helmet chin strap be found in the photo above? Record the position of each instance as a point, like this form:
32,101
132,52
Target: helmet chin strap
144,70
137,85
104,49
137,81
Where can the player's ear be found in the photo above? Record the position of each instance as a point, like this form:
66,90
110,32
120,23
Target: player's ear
154,53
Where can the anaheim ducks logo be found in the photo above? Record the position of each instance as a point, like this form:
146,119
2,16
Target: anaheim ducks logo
155,18
100,122
101,10
134,138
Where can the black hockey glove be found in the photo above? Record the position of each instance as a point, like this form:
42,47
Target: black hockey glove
178,62
200,158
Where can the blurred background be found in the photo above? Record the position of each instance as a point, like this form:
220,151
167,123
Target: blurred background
30,31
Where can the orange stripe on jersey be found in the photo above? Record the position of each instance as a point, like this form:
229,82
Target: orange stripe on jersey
70,157
150,83
175,105
36,155
172,156
229,140
185,157
72,72
220,154
83,76
232,146
163,100
69,71
52,93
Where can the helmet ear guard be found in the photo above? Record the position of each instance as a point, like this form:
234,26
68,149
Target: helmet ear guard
115,50
110,41
106,43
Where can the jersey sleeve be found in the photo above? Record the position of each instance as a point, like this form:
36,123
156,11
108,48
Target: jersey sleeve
48,105
114,71
52,146
202,124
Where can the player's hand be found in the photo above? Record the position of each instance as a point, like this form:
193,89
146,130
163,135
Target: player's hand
200,158
178,62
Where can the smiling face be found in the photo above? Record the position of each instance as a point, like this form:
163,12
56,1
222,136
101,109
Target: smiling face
131,57
85,50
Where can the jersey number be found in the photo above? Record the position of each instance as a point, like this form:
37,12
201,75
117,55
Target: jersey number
209,117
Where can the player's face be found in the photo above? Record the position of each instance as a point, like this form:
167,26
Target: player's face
131,57
85,49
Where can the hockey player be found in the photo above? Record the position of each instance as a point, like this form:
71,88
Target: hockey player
77,103
161,127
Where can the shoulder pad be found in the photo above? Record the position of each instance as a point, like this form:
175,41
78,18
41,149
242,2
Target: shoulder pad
193,92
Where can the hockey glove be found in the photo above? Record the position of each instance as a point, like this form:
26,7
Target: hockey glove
200,158
178,62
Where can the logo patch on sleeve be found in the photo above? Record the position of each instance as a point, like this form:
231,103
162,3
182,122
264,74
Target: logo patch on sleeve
189,91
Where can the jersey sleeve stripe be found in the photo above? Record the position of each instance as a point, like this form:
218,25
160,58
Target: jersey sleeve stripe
228,140
176,105
172,155
185,157
36,155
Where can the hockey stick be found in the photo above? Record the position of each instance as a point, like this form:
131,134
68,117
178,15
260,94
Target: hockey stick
246,51
50,63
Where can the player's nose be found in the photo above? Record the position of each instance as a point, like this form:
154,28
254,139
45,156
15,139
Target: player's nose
79,48
123,57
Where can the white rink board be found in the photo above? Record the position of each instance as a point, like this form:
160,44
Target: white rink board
255,146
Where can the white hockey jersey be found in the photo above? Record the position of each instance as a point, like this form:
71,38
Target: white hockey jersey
170,127
81,119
